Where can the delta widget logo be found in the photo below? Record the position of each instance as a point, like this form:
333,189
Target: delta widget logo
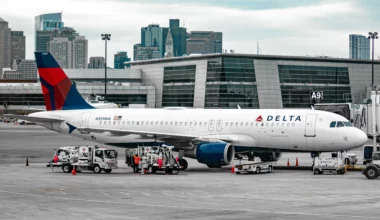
259,119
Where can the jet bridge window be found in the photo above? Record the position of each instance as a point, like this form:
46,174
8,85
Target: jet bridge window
332,124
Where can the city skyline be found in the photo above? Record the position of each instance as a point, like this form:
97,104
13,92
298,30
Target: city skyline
287,28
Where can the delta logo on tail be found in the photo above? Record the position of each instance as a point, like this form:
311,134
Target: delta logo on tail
58,90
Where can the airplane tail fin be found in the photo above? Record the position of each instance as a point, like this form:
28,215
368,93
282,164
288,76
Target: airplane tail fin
58,90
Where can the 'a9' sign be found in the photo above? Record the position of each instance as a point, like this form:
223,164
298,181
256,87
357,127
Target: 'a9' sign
316,95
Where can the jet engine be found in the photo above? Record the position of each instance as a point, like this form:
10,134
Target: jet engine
212,154
269,156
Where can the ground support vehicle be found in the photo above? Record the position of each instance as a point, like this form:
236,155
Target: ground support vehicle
153,159
350,159
333,164
93,158
254,167
372,170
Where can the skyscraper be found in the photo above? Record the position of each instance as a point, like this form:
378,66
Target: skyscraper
119,60
28,69
145,53
96,63
17,45
359,47
151,36
204,42
5,45
61,49
45,27
80,52
179,37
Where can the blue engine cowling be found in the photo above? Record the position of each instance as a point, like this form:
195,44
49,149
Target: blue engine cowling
213,154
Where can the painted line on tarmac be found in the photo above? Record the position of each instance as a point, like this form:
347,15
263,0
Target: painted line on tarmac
188,207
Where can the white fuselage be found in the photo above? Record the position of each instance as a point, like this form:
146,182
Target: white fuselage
286,130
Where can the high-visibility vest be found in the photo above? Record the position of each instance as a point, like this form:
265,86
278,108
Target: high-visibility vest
136,160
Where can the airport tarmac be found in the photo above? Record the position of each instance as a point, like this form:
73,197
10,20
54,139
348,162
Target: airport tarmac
36,192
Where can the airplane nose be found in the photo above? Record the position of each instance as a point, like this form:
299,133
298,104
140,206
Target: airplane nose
361,138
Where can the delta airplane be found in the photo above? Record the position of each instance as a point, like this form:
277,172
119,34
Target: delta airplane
212,136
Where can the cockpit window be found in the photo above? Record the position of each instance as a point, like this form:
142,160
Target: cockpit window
332,124
347,124
339,124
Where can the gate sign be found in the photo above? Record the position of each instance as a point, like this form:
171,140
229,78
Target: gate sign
316,95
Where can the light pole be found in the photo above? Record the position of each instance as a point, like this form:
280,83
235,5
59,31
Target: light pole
373,36
105,37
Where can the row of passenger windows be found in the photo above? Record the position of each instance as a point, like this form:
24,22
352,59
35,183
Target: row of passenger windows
339,124
161,123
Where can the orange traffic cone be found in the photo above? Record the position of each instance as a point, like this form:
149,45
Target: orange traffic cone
233,168
296,161
74,171
27,161
288,163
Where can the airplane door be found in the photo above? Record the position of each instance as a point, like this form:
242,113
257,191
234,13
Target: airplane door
85,119
310,125
211,125
219,124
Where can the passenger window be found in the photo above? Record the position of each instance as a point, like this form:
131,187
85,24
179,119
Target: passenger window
332,124
232,124
288,124
339,124
137,123
236,123
195,123
176,123
133,123
226,123
109,122
347,124
123,122
241,124
272,124
119,122
191,123
185,123
246,124
180,123
293,124
162,123
114,122
100,122
128,123
267,125
257,124
278,124
171,123
166,123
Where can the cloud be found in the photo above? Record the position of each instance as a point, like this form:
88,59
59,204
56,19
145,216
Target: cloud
321,28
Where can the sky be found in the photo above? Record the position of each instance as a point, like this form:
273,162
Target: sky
282,27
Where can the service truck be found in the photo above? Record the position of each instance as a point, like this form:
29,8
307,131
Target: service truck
93,158
153,159
254,167
333,164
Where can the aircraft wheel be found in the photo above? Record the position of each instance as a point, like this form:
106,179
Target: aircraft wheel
183,163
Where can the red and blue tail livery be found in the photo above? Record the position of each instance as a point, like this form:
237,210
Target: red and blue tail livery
58,90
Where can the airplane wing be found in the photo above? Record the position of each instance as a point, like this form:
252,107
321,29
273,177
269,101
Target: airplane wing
33,119
161,136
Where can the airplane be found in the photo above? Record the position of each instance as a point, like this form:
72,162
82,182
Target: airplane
211,136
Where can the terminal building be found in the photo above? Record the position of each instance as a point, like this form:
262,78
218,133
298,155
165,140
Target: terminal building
124,88
257,81
216,81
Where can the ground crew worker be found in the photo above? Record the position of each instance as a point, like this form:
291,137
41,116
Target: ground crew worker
136,161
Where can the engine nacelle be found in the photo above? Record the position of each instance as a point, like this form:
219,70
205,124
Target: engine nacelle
269,156
212,154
